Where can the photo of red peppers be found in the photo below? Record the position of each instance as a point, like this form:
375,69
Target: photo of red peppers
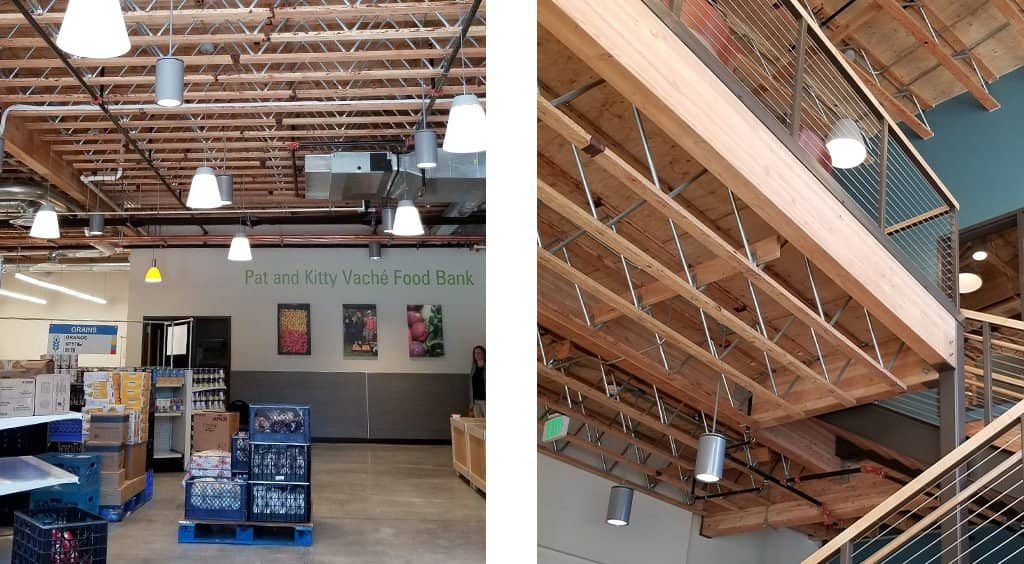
293,329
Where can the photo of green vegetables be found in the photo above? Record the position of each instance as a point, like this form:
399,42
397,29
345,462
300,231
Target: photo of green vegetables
426,330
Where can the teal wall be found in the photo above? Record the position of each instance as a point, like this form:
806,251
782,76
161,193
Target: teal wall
979,155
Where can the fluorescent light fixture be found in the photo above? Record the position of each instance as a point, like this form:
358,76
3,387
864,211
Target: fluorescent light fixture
96,224
620,505
710,458
94,29
22,297
467,126
45,225
407,220
375,250
170,82
969,282
426,148
387,219
846,144
153,275
204,193
226,187
979,255
240,250
59,288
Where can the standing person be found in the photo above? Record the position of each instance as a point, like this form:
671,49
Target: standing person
478,382
358,329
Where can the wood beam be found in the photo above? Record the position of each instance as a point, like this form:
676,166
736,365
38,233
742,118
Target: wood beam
713,126
639,185
553,199
765,250
1009,9
805,442
945,31
549,262
894,106
962,75
861,13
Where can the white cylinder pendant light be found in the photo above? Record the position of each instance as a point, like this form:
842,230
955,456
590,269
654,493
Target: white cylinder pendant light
845,144
96,224
240,250
226,187
407,220
710,458
467,126
94,29
969,282
387,219
45,225
204,193
620,505
170,81
426,148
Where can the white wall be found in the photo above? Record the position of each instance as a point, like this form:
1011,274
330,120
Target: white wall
571,505
24,326
203,282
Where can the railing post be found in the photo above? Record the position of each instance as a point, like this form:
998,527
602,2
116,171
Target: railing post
883,173
846,553
986,336
798,80
952,412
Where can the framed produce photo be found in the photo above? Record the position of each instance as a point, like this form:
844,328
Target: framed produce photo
426,330
359,324
293,329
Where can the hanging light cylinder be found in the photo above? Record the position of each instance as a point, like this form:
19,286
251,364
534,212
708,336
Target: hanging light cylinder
426,148
620,505
407,220
845,144
375,253
170,81
204,193
226,187
96,224
387,219
94,29
45,224
710,458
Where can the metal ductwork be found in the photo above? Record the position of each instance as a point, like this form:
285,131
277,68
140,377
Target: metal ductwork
354,176
19,202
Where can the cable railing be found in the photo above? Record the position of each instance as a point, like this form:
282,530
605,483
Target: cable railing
969,506
775,58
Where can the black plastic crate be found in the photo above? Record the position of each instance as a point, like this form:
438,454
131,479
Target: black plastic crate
279,463
23,441
240,452
216,499
279,503
279,423
59,536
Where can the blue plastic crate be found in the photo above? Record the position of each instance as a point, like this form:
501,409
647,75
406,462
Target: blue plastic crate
66,495
216,499
279,463
85,466
279,423
281,503
65,431
54,535
147,494
240,452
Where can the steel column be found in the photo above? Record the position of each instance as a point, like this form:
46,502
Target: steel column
952,414
986,340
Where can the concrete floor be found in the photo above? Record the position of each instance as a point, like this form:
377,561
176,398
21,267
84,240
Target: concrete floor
371,504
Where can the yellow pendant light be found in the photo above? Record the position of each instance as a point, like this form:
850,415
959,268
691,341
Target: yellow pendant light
153,275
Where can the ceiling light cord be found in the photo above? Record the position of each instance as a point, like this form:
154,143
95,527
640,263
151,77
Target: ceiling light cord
170,32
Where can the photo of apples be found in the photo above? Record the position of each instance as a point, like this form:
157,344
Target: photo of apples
426,331
293,329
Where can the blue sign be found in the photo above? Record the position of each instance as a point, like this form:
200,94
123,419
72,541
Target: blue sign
82,339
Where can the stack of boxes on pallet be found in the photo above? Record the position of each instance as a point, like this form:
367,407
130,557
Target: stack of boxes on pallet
117,429
32,387
265,476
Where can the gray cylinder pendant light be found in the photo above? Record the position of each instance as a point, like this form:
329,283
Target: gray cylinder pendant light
387,219
620,505
375,250
226,185
426,148
170,73
96,224
710,457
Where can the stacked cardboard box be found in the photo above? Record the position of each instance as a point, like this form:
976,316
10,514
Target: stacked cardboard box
213,430
117,405
31,387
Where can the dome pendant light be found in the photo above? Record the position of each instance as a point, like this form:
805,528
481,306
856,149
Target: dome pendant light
45,224
426,148
620,505
407,220
240,250
466,125
96,224
94,29
846,144
153,275
204,193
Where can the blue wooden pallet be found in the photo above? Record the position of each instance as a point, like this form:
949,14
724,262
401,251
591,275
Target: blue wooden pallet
117,513
249,533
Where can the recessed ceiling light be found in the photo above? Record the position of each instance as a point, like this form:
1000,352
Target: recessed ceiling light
969,282
980,254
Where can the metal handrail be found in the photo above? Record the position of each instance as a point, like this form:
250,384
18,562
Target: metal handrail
779,63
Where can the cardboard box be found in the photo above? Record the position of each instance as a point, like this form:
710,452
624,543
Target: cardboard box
17,396
212,431
111,455
99,389
112,428
26,367
62,398
135,461
53,393
128,490
112,481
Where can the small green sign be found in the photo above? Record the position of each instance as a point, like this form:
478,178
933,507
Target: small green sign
556,427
